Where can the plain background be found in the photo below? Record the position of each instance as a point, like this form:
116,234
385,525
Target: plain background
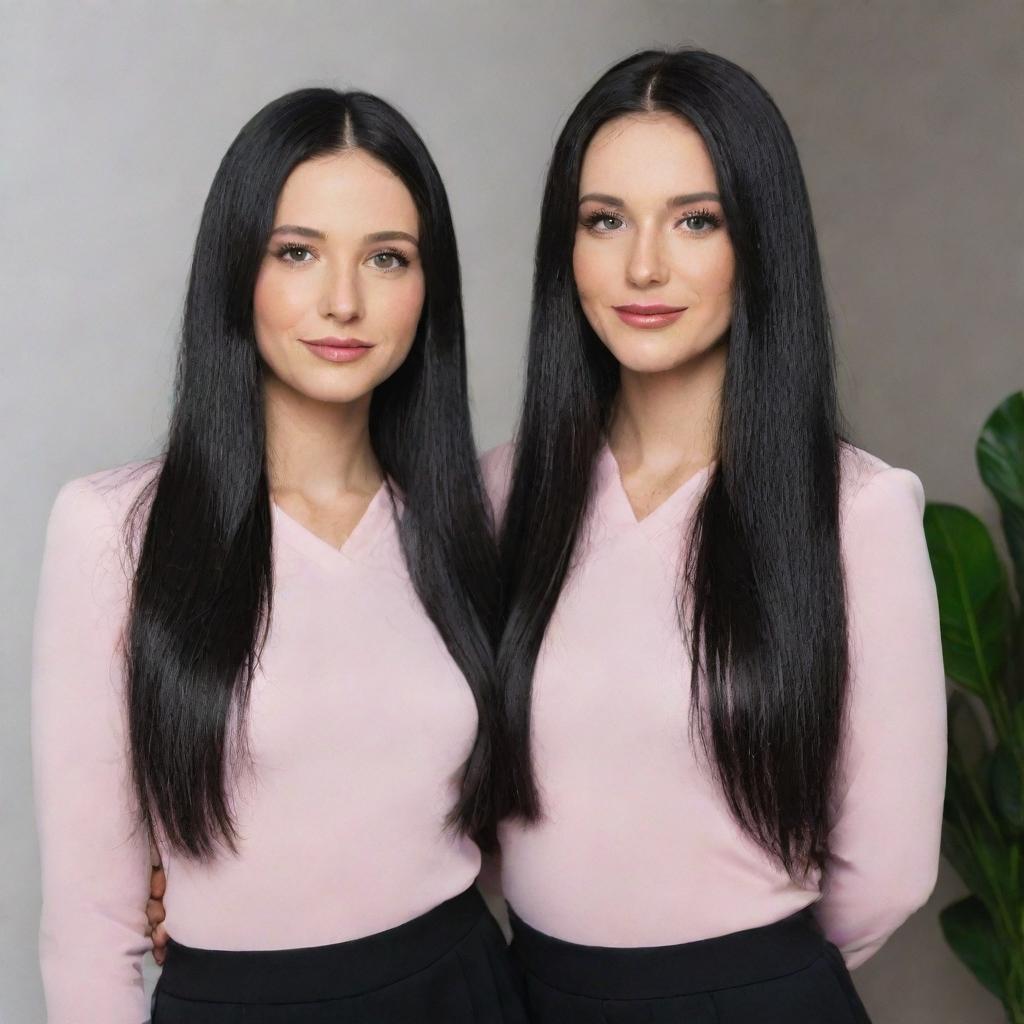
115,115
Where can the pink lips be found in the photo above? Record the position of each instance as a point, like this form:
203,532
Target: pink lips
649,316
338,350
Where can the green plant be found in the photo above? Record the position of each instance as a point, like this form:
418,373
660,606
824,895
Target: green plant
982,623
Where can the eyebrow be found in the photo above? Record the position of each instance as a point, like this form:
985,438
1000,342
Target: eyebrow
684,200
376,236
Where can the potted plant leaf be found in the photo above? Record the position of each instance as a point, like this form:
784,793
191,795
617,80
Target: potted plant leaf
982,623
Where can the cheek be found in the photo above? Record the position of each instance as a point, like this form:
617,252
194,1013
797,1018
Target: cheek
279,301
714,273
401,308
590,268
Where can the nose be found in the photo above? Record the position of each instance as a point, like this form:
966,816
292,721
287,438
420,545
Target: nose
648,263
341,298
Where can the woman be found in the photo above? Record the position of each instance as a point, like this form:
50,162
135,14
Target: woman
724,681
270,649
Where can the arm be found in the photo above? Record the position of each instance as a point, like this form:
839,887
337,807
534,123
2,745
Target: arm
94,859
888,811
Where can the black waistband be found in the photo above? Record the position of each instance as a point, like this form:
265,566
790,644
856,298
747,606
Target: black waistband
659,972
321,972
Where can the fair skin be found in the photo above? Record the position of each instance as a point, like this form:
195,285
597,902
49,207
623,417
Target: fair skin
652,232
644,249
342,266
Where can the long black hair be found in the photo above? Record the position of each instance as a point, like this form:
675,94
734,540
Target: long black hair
203,582
761,594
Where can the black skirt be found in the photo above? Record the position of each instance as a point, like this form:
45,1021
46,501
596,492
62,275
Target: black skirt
451,965
783,973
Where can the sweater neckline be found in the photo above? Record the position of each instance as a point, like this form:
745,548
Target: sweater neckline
613,502
363,536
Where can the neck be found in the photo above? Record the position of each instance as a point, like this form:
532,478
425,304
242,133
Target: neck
663,421
319,449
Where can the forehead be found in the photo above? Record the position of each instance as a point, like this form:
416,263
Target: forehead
656,154
349,191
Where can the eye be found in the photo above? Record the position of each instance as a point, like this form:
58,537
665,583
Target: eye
389,260
603,221
701,222
295,254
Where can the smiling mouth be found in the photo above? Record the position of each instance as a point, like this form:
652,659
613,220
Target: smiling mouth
338,350
649,316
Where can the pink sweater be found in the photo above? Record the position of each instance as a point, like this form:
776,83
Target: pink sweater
638,847
360,722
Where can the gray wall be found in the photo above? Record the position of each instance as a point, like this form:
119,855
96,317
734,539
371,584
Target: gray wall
114,115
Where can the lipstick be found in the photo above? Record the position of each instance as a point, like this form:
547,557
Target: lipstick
338,350
649,317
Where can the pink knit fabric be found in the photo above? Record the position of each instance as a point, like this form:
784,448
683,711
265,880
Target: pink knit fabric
637,847
360,723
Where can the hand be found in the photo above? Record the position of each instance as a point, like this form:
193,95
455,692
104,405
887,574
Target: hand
155,913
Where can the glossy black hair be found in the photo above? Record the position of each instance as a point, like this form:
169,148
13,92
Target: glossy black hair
762,606
203,583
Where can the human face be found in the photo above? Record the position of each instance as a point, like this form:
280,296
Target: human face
340,289
651,233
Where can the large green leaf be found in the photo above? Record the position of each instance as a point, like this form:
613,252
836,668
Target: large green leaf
1007,787
1000,455
976,844
974,604
957,850
1017,717
968,744
969,931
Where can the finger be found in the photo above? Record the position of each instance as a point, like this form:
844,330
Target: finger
154,912
160,937
157,883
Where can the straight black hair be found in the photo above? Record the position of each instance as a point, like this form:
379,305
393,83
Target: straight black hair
203,583
762,602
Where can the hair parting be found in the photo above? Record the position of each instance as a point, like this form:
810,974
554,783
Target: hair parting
201,606
761,593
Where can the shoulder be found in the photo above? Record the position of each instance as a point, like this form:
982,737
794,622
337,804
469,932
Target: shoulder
875,496
496,471
109,493
91,510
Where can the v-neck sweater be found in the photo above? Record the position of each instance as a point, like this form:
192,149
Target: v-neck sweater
359,722
637,846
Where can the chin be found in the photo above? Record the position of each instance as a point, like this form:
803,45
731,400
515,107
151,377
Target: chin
651,358
335,388
660,351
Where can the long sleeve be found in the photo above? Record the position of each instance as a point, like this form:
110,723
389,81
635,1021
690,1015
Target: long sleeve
888,807
95,861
